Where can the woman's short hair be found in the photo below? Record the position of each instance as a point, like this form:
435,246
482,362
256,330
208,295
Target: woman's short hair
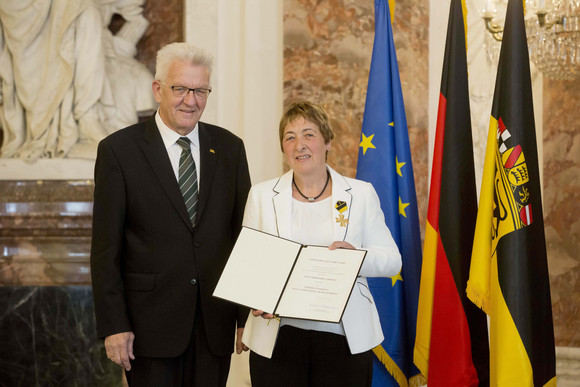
310,112
180,51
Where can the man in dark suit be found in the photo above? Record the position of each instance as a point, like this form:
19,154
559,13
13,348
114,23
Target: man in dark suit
169,202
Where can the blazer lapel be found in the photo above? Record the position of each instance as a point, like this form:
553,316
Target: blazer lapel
282,202
208,155
156,154
341,202
341,205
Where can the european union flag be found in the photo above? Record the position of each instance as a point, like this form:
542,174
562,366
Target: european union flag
385,161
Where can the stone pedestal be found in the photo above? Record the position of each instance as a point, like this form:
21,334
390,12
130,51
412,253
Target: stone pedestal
45,230
47,324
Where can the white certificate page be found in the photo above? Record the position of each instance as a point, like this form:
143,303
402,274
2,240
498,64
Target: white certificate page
257,270
320,284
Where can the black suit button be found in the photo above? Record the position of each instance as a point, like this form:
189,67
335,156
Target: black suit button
196,244
194,282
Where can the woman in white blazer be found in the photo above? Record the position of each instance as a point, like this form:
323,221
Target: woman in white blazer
314,205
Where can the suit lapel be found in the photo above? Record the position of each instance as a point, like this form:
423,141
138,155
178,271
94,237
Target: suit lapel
208,155
341,205
156,154
282,201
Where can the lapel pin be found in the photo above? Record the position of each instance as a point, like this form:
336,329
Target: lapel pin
341,206
342,220
211,151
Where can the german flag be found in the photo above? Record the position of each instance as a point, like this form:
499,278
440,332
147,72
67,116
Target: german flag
451,330
509,272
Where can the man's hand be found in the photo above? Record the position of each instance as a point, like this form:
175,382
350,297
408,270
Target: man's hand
120,348
239,345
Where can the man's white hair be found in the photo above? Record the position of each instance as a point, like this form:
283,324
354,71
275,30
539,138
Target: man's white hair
180,51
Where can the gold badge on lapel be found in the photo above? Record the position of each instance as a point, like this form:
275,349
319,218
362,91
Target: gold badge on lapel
342,220
211,151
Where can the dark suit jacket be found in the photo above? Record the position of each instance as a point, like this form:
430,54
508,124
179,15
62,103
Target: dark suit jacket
150,268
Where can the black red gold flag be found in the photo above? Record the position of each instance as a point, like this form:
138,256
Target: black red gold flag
451,347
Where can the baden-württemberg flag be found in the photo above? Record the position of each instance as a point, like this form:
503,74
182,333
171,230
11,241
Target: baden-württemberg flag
509,274
385,160
451,347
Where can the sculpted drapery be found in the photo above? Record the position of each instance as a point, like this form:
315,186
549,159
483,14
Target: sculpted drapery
65,80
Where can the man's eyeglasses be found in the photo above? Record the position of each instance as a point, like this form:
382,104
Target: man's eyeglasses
182,91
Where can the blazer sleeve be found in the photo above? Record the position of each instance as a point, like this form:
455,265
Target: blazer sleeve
106,247
383,258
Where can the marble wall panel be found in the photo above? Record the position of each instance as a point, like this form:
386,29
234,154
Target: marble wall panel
165,26
561,183
327,53
48,338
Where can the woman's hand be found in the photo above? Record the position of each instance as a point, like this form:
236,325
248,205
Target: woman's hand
341,245
265,315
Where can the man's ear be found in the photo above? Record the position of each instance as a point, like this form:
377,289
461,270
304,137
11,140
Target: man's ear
156,86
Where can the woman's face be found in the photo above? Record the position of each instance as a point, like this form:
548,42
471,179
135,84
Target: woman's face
304,147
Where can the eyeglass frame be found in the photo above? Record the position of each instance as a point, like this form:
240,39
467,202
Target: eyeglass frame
194,90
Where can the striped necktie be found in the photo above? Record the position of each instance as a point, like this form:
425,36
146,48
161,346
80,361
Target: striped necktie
188,178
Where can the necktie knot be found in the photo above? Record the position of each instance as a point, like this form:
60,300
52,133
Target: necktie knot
184,143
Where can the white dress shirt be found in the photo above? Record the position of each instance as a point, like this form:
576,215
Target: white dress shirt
170,138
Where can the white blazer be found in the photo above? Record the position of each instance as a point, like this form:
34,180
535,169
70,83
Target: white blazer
269,209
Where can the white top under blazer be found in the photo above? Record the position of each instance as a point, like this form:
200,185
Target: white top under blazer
269,209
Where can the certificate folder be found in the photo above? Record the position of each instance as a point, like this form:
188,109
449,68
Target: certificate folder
283,277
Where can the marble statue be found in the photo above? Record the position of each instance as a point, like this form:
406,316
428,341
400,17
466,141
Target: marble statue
65,80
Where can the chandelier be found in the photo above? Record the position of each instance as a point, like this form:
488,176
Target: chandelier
553,31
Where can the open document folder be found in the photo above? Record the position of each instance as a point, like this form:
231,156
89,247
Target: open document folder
279,276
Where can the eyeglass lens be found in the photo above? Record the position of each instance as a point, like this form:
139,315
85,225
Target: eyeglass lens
180,91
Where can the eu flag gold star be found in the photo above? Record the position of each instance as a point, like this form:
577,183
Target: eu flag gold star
366,143
402,207
396,278
399,166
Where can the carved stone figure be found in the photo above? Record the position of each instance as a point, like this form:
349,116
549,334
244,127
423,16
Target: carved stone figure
65,80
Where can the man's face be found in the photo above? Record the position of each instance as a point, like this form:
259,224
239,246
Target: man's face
181,114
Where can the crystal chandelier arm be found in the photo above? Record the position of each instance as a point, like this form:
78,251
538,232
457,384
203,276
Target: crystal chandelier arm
542,20
495,29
